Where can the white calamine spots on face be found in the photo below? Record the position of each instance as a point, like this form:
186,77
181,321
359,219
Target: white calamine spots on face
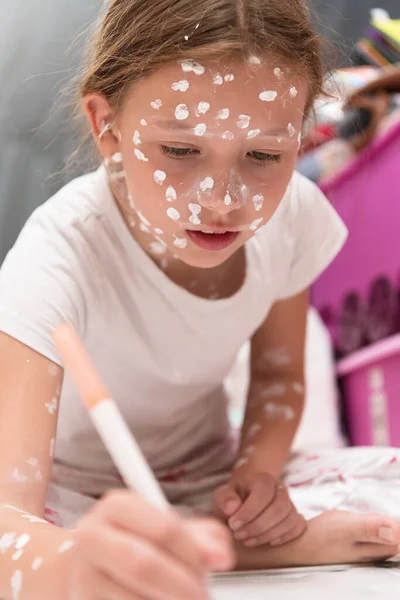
253,430
136,138
253,133
18,476
16,585
52,406
207,184
241,463
158,231
6,541
39,475
157,248
117,157
278,72
143,122
66,546
22,541
181,243
256,224
181,86
228,199
298,388
54,370
37,563
194,220
33,462
299,139
254,60
190,66
243,122
195,208
17,555
159,177
268,95
181,112
139,154
258,201
173,214
171,194
293,92
230,77
200,129
280,412
202,108
156,104
291,130
274,390
249,450
228,135
144,228
223,114
51,447
217,79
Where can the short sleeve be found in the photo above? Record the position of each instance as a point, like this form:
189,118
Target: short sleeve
40,286
317,232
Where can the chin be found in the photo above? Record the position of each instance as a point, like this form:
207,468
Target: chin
205,260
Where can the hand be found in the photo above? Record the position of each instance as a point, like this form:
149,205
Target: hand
259,511
128,550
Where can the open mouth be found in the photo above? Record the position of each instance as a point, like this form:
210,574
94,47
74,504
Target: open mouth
210,240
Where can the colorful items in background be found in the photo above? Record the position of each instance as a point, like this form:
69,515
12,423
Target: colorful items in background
381,44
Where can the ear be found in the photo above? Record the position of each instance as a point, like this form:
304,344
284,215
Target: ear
101,116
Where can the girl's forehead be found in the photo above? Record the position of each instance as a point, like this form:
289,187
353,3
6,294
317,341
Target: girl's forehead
195,88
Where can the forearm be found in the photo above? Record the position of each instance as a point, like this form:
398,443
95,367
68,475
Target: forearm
34,558
273,415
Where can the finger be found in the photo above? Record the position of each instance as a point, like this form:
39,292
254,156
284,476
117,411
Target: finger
272,516
166,529
104,588
132,563
292,534
272,534
215,544
227,500
262,493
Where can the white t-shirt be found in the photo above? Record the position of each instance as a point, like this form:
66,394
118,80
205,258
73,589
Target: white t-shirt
163,352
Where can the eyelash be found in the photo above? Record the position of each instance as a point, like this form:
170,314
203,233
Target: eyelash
181,153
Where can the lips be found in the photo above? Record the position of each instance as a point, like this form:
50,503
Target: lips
213,241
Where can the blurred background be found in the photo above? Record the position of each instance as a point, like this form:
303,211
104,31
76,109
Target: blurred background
351,149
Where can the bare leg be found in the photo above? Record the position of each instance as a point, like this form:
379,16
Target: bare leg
334,537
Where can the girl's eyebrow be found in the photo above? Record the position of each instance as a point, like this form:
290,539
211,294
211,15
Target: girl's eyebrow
174,125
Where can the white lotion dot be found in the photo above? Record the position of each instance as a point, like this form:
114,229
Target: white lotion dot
18,476
195,208
33,462
181,243
190,66
299,139
180,86
52,446
258,201
253,430
17,555
223,114
207,184
66,546
293,92
139,154
117,157
203,108
254,60
241,463
143,122
228,199
173,214
157,248
157,104
198,69
230,77
291,130
200,129
228,135
243,121
37,563
268,96
275,389
249,450
171,194
16,584
22,541
194,220
52,406
217,80
53,369
159,177
278,72
136,138
181,112
253,133
143,219
39,476
256,224
279,411
158,231
298,388
7,540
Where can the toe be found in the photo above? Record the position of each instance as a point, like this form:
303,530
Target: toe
376,529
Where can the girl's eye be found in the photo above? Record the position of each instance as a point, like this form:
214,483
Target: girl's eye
178,152
263,157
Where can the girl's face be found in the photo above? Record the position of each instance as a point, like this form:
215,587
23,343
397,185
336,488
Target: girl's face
208,151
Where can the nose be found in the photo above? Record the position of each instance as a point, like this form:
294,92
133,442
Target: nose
222,200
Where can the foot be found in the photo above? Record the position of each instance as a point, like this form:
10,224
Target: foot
335,537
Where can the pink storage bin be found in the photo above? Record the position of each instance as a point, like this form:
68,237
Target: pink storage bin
367,197
371,380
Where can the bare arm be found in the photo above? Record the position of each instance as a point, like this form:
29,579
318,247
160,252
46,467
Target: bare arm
276,396
30,566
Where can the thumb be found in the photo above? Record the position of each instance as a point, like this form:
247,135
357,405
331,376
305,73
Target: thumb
227,501
215,544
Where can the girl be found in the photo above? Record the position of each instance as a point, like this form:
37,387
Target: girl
194,236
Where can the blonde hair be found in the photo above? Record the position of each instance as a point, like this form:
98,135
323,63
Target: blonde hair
137,37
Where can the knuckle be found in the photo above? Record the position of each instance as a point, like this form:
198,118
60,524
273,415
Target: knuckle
168,529
143,564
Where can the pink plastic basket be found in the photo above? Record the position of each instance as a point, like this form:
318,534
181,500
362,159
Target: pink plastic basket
371,379
367,197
